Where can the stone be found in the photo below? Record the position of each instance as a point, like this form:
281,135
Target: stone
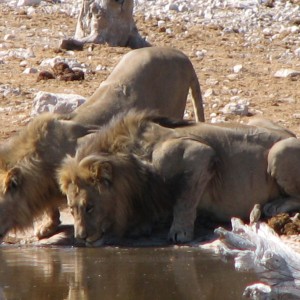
28,2
283,73
30,71
56,103
234,108
237,68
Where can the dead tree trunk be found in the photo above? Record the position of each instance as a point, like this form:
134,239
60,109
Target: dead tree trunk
106,21
258,248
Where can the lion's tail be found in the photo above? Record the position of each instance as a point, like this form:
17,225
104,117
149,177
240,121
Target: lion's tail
197,98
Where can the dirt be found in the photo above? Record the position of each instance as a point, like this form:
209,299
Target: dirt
270,97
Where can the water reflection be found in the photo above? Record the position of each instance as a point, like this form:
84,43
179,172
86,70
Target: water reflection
117,273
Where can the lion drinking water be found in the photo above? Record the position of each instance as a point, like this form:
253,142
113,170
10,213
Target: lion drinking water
224,169
155,78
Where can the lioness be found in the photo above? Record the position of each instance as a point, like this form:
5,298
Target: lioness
224,169
154,78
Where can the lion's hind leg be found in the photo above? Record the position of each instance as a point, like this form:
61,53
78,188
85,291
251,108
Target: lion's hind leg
189,162
284,167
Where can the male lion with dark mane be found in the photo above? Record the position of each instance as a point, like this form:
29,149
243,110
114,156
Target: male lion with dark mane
224,169
154,78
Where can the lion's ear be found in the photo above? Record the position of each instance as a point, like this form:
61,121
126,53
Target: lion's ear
101,172
13,179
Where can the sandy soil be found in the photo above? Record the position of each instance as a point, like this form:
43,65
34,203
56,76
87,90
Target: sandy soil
273,98
270,97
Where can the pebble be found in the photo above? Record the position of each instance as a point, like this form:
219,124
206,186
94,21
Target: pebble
209,93
237,68
30,71
283,73
234,108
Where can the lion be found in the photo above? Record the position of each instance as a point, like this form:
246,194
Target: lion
103,200
28,163
224,169
154,78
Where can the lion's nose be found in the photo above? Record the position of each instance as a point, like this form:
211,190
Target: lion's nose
80,233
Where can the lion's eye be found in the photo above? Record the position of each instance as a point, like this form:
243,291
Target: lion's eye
106,182
89,209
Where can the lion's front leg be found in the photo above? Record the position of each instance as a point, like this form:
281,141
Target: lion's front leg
48,224
187,163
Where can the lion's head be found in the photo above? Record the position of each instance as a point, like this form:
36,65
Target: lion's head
109,194
27,169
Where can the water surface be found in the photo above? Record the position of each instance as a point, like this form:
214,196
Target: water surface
118,273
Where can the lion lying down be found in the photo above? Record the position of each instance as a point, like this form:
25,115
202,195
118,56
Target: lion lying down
155,78
141,168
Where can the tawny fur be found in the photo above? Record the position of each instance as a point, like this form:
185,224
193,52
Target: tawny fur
219,168
130,195
28,163
40,147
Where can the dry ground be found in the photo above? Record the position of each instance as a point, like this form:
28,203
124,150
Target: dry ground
274,98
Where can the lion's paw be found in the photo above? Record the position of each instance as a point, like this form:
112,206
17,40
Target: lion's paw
47,229
181,235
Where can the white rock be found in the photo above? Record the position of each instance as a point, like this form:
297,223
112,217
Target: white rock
182,8
200,53
296,116
173,6
20,53
28,2
211,81
30,71
237,68
297,52
209,93
295,29
161,23
232,77
283,73
9,37
72,62
23,63
57,103
7,90
100,68
233,108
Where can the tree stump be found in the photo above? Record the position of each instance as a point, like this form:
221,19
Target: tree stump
105,21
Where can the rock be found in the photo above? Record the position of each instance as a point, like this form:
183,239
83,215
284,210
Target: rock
57,103
237,68
161,23
30,71
283,73
200,53
212,81
234,108
28,2
296,116
209,93
23,63
7,90
9,37
71,44
45,75
232,77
